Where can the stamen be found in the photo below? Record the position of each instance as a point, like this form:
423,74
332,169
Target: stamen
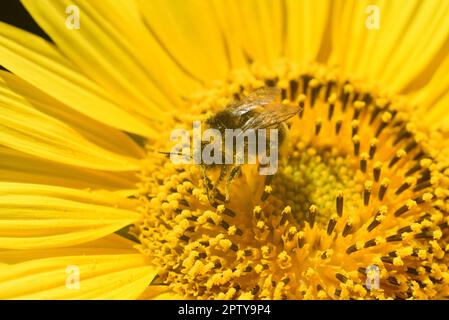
377,170
383,188
367,192
340,204
331,102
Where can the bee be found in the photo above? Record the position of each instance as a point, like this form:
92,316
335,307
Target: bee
261,109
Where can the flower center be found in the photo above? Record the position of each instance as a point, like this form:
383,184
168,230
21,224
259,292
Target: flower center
357,190
314,177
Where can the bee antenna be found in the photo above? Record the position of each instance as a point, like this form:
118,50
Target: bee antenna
169,153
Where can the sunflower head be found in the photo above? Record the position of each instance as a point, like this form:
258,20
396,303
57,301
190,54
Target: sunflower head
357,209
359,187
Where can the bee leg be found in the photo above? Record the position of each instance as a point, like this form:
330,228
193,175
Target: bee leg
268,180
284,142
283,132
223,172
213,192
207,184
231,176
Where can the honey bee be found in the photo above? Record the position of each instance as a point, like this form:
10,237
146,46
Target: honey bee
261,109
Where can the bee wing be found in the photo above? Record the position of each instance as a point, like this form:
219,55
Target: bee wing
260,97
263,96
271,115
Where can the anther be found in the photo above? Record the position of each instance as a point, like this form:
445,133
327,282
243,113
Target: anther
315,88
393,281
355,127
373,147
338,126
341,277
301,242
347,229
331,102
412,145
370,243
255,290
364,162
293,89
301,102
374,114
383,188
356,142
408,206
271,82
283,93
377,218
394,238
224,224
347,90
339,203
351,249
358,107
402,135
408,182
377,171
367,192
184,238
330,84
283,218
331,225
413,169
318,124
422,186
229,212
386,118
311,215
398,156
387,259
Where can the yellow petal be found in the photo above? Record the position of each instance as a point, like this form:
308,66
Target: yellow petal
226,13
40,64
102,135
122,285
98,197
33,216
190,33
105,54
412,56
16,166
436,114
261,29
108,245
306,23
133,33
409,37
433,99
168,296
101,276
153,291
25,128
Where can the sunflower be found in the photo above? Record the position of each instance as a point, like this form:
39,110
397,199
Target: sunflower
363,186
